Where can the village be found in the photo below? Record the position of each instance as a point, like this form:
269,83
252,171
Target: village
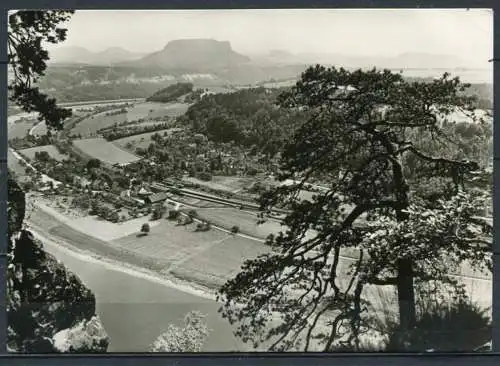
171,182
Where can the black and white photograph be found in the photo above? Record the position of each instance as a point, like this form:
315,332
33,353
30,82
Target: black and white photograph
288,180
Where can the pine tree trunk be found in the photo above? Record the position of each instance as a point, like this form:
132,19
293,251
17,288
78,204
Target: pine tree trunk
406,291
406,295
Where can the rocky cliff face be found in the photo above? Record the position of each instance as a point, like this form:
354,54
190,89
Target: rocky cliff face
48,308
196,54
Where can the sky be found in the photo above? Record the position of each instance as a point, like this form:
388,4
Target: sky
467,34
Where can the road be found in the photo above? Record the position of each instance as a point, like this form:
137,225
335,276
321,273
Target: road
98,102
118,295
238,203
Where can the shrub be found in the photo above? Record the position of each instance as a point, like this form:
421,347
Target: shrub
173,214
457,327
205,176
203,226
145,228
158,212
93,163
191,338
81,201
114,217
235,229
94,207
445,323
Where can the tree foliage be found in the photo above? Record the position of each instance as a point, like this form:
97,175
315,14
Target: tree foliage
171,93
247,117
28,31
363,131
145,228
190,338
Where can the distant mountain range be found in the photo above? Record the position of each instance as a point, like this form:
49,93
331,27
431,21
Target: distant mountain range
210,54
81,55
218,61
413,60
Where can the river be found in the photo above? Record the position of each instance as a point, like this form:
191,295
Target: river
135,310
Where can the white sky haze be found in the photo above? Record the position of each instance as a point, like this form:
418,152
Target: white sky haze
467,34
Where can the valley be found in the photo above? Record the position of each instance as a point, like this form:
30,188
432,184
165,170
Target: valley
159,172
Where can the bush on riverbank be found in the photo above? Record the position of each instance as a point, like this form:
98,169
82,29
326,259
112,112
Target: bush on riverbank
190,338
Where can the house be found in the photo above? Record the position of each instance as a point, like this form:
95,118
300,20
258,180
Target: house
81,182
156,198
131,201
143,192
99,185
125,193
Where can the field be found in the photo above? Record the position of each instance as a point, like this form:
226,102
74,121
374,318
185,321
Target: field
16,167
246,221
221,262
105,151
209,258
89,126
219,89
143,140
156,110
41,128
50,149
168,243
280,84
20,128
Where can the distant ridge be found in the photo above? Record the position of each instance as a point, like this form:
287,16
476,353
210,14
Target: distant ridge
199,54
81,55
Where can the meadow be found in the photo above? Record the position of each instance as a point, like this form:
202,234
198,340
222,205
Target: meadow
105,151
169,242
246,221
142,140
50,149
155,110
220,263
89,126
20,128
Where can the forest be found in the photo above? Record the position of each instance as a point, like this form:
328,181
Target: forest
407,192
249,117
171,93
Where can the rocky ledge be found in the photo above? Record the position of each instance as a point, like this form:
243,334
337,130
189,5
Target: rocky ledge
49,309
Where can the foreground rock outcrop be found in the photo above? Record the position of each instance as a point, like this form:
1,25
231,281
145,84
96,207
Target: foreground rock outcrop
49,309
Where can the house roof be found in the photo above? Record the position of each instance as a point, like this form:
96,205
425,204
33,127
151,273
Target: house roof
143,191
158,197
125,193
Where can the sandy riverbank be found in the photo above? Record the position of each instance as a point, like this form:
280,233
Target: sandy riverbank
128,268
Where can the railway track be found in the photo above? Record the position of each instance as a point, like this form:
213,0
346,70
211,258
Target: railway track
210,198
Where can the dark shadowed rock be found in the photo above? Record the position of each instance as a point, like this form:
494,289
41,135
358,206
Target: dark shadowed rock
49,309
